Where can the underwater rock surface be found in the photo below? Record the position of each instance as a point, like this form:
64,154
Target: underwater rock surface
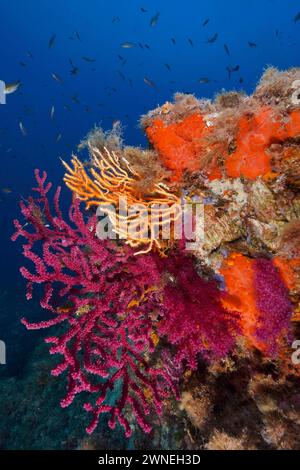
193,347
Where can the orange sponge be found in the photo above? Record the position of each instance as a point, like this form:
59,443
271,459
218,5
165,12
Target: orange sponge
255,135
287,269
238,273
179,145
184,145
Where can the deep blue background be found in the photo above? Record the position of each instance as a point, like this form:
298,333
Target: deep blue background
27,25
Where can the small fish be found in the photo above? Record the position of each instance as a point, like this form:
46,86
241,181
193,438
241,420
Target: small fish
128,45
89,59
58,137
147,47
168,67
141,46
6,190
143,10
252,44
122,75
297,17
22,64
57,78
52,112
75,35
204,80
191,42
65,308
22,128
75,99
74,70
115,19
231,69
149,82
205,22
241,80
212,39
52,40
154,19
173,41
226,49
12,87
120,58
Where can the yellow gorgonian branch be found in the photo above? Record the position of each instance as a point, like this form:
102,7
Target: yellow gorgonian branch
110,180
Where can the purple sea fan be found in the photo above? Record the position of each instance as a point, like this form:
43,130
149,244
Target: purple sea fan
194,319
100,288
272,299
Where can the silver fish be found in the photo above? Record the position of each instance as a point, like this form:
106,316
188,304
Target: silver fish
6,190
128,45
154,19
57,78
204,80
12,87
149,82
22,128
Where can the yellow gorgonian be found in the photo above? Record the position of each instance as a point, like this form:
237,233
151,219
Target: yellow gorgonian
108,181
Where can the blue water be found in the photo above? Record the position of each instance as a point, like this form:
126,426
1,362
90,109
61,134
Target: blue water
104,94
26,27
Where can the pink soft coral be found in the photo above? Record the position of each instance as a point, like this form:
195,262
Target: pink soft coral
194,319
96,282
115,306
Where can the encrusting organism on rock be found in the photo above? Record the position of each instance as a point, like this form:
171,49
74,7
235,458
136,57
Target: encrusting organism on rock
144,316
